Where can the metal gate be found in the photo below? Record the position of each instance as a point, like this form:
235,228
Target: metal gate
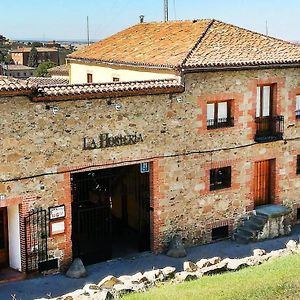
91,216
36,239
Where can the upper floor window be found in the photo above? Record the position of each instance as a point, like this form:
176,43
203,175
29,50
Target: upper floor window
298,165
89,78
219,115
264,101
220,178
298,106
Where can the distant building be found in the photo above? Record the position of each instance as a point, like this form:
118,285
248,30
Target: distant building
61,71
52,44
44,81
16,71
20,56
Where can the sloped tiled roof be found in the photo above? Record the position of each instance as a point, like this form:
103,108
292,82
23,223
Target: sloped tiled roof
28,49
158,44
10,84
92,90
190,44
59,70
47,81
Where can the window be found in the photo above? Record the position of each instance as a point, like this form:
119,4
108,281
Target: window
264,101
220,178
89,78
219,115
219,233
298,214
116,79
298,165
298,106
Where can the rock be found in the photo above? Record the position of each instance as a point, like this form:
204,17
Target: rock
213,261
151,276
202,263
292,245
108,282
121,289
259,252
91,289
138,278
215,269
103,295
186,276
125,278
77,269
176,248
189,266
168,272
236,264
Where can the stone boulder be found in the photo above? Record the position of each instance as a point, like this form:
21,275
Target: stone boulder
258,252
186,276
189,266
176,247
236,264
213,261
292,246
108,282
168,273
202,263
215,269
152,275
77,269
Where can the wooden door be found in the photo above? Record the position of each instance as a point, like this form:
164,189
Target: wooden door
262,183
3,238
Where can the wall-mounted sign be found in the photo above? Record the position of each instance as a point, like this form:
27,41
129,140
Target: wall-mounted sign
57,227
57,212
144,167
105,140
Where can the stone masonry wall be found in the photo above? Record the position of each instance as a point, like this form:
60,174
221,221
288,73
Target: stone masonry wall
40,147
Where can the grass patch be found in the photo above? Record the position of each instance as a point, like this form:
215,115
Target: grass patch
273,280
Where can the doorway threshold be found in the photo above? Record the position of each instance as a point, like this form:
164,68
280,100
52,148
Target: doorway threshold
9,274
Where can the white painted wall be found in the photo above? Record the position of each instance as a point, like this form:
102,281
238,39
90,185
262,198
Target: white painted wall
14,237
78,73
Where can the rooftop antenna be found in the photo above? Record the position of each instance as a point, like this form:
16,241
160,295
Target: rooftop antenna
166,10
267,29
88,30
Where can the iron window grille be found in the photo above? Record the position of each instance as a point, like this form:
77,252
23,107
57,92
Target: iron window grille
298,165
220,178
220,123
219,115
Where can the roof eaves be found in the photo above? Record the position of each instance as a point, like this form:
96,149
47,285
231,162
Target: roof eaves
123,63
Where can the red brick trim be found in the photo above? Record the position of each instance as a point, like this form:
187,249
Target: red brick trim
220,223
236,102
292,105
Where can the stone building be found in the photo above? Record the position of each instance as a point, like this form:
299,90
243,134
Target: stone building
106,169
17,71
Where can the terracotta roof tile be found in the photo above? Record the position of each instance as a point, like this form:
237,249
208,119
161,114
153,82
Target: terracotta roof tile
59,70
158,44
190,44
41,81
109,89
228,45
10,84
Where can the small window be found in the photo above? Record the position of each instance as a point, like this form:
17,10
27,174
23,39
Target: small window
298,165
298,106
298,214
89,78
219,115
219,233
220,178
116,79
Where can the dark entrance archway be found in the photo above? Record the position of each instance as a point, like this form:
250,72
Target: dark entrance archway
110,213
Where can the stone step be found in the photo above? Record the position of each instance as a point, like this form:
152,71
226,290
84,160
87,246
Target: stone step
241,239
246,232
259,219
253,225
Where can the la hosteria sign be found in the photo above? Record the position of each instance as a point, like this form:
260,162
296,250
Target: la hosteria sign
106,140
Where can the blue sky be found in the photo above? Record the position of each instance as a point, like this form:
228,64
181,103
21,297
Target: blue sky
66,19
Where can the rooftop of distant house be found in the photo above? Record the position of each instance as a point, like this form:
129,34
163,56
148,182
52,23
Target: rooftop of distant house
28,49
189,44
14,67
62,70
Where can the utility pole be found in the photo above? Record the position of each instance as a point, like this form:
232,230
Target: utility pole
166,10
88,30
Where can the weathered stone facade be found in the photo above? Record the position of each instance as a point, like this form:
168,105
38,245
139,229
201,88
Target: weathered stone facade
42,144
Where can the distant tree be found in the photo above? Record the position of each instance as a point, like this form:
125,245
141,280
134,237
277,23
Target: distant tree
42,69
33,58
37,44
8,59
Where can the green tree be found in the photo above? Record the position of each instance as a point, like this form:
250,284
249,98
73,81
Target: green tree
33,58
42,69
